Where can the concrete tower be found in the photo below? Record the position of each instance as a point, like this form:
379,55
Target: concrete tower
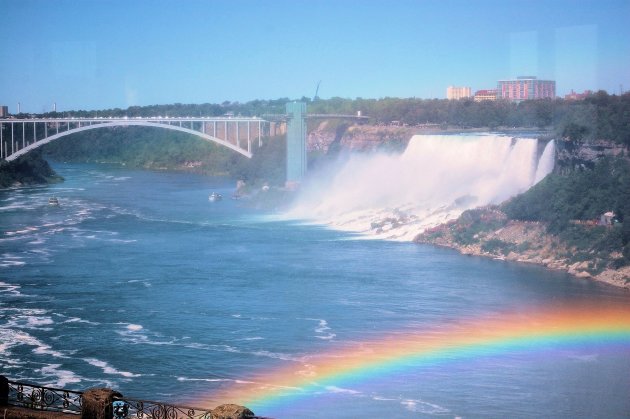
296,142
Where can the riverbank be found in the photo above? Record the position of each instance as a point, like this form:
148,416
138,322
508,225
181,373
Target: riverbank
488,232
27,170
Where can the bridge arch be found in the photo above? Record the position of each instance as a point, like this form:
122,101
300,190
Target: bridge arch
125,123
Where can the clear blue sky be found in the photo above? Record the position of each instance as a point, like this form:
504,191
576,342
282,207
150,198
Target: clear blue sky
116,53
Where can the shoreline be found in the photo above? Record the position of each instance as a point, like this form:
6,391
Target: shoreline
522,242
616,278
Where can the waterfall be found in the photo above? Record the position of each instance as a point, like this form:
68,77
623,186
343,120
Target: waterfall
434,180
546,162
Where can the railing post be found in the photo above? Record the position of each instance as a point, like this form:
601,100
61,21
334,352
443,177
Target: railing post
4,391
97,403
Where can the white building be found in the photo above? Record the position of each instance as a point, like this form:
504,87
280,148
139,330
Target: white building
454,93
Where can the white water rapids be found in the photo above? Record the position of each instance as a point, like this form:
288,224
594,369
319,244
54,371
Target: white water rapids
434,180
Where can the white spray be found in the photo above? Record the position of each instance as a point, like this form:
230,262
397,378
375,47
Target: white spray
437,178
547,161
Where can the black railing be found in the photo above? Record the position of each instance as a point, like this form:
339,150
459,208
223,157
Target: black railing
145,409
44,398
109,402
130,408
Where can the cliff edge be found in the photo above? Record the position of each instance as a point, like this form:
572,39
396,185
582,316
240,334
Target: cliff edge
489,232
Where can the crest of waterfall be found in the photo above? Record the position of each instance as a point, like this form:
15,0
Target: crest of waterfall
434,180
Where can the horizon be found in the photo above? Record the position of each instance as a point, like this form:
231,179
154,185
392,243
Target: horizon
112,54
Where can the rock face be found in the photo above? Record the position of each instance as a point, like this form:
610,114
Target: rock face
363,137
231,411
571,155
30,169
488,232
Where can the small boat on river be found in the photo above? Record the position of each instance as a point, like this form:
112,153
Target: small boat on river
215,197
53,201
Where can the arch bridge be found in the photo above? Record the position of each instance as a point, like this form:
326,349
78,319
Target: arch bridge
19,136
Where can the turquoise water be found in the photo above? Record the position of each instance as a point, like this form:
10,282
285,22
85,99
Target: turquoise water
136,281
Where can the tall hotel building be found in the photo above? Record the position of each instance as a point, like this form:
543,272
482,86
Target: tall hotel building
453,92
526,88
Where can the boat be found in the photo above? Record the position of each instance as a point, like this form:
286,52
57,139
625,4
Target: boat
53,201
214,197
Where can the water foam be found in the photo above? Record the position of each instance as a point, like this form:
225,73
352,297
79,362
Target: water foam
10,289
323,330
108,369
63,377
437,177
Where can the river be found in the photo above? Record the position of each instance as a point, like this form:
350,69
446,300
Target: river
137,282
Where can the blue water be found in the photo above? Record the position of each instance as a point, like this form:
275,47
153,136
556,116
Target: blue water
138,282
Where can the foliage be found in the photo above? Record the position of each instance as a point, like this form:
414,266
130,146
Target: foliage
579,195
252,108
496,246
30,169
569,202
160,149
599,116
474,221
267,165
143,147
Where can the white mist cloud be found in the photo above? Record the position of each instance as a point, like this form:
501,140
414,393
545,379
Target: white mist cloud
433,181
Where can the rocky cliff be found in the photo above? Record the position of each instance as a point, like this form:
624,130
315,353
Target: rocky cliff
488,232
571,155
30,169
327,136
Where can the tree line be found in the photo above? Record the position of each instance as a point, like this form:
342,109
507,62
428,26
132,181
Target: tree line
598,116
563,201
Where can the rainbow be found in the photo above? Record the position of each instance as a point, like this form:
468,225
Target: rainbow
581,326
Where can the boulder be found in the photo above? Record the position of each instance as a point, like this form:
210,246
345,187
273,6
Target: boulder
231,411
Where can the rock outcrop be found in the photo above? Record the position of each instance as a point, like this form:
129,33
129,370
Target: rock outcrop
488,232
231,411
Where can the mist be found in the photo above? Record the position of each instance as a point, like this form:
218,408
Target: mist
434,180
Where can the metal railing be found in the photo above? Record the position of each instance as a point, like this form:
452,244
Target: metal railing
44,398
130,408
51,399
